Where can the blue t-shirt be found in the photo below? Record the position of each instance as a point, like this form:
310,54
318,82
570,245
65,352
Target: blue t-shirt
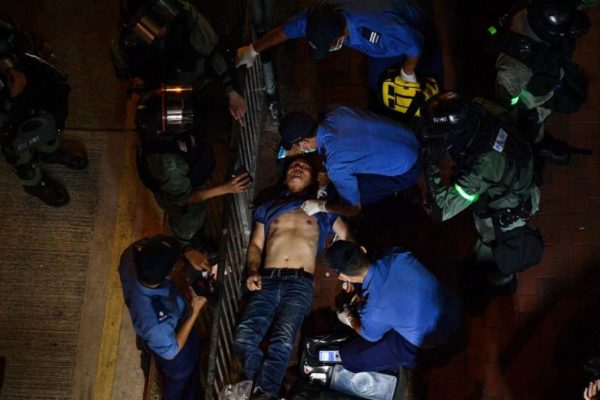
401,294
353,141
155,313
377,28
271,209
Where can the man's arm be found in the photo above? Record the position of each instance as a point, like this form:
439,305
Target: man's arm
340,228
448,201
408,68
184,331
270,39
234,185
247,55
254,256
343,209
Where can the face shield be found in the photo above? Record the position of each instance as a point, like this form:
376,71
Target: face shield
152,21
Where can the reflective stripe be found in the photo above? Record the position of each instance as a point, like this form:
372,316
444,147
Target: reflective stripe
465,195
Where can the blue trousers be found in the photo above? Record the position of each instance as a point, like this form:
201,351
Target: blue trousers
388,353
374,188
181,374
281,303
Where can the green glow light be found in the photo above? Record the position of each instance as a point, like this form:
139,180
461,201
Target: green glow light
469,197
514,100
492,30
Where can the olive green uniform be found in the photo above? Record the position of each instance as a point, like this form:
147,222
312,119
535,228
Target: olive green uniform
47,92
133,58
490,182
513,77
171,172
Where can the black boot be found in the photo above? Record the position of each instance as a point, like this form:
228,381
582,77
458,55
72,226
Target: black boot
70,159
50,192
553,149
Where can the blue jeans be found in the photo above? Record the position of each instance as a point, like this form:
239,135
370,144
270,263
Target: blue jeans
181,374
281,303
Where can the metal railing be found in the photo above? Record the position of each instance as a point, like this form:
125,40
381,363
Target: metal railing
235,236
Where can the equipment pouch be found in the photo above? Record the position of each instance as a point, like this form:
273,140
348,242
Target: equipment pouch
518,249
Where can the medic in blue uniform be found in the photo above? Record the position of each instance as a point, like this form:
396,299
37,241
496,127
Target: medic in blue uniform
368,157
390,32
159,313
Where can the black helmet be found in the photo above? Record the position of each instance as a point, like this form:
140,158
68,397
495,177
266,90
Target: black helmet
446,114
168,110
148,18
8,39
551,19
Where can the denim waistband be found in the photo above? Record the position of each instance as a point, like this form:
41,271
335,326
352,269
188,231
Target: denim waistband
285,273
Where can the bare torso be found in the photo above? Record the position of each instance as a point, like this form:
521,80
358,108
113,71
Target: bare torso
292,241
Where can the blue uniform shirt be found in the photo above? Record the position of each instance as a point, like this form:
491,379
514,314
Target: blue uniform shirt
155,313
353,141
378,28
401,294
271,209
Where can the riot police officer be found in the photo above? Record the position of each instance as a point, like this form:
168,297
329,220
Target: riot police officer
33,109
170,41
175,161
535,71
493,176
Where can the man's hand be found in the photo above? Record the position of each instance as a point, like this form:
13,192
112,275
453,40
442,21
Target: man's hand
347,287
198,260
246,56
254,281
345,316
237,107
591,392
323,178
137,83
237,184
197,302
410,78
16,82
311,207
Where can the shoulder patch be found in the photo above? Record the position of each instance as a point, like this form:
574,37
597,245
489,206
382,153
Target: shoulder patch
160,310
500,141
370,35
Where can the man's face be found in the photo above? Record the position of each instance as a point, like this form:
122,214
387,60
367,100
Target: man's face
299,176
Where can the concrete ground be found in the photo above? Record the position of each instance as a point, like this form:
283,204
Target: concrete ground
65,333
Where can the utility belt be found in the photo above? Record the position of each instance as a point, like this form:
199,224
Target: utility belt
504,217
285,273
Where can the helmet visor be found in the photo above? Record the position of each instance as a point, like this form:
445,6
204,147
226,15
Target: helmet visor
152,21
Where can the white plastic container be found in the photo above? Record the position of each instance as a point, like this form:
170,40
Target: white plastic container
368,385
